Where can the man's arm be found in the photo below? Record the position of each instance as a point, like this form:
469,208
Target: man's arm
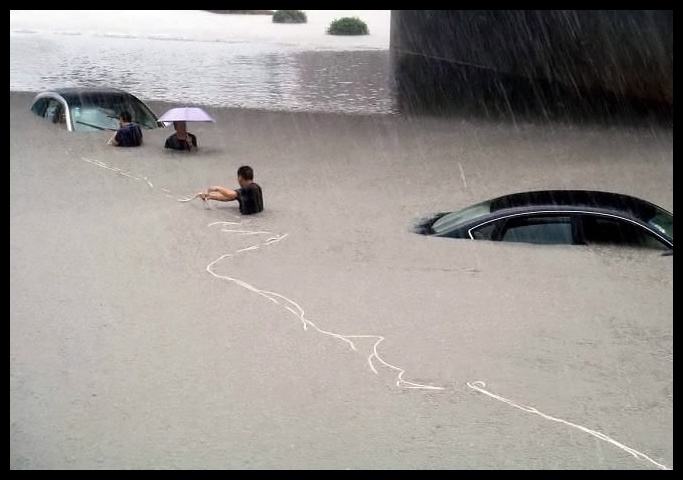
221,194
112,140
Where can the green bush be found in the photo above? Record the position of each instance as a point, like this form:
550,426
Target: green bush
348,26
289,16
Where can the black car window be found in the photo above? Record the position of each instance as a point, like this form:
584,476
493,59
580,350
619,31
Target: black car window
663,221
485,232
39,107
539,229
52,110
55,113
598,230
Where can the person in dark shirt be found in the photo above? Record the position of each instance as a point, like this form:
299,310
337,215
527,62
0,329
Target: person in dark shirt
249,195
129,134
181,139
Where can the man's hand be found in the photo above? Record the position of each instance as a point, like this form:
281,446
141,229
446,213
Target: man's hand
219,194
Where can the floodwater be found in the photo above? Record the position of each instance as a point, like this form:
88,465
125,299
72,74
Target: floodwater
198,57
125,352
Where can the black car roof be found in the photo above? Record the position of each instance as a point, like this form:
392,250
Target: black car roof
577,198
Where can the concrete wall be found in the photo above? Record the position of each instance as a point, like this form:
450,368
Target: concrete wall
627,53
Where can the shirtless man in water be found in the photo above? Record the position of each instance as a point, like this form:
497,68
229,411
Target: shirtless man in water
248,195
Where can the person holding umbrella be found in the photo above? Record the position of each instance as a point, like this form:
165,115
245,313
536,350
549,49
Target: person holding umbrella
182,139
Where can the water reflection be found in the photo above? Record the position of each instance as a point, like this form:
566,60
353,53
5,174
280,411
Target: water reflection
248,75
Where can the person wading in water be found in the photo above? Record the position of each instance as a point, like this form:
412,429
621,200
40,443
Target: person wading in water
181,139
249,194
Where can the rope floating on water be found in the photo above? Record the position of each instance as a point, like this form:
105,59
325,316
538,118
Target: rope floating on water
479,386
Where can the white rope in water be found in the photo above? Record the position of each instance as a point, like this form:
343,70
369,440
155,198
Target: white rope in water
296,310
118,171
165,191
243,232
224,223
480,387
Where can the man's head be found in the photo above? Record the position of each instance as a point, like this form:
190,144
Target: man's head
245,175
124,117
180,127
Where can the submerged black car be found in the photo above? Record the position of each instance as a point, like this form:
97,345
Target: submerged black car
91,109
578,217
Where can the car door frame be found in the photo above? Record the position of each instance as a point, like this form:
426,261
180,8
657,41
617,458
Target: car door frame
574,212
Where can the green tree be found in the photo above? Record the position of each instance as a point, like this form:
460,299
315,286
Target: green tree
348,26
289,16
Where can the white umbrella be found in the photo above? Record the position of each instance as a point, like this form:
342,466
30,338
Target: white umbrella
186,114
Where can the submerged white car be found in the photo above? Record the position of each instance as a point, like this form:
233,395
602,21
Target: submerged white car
92,109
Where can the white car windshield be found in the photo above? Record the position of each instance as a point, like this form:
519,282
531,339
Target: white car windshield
101,113
92,117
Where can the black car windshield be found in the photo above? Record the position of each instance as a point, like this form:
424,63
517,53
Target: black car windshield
451,220
101,113
663,222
